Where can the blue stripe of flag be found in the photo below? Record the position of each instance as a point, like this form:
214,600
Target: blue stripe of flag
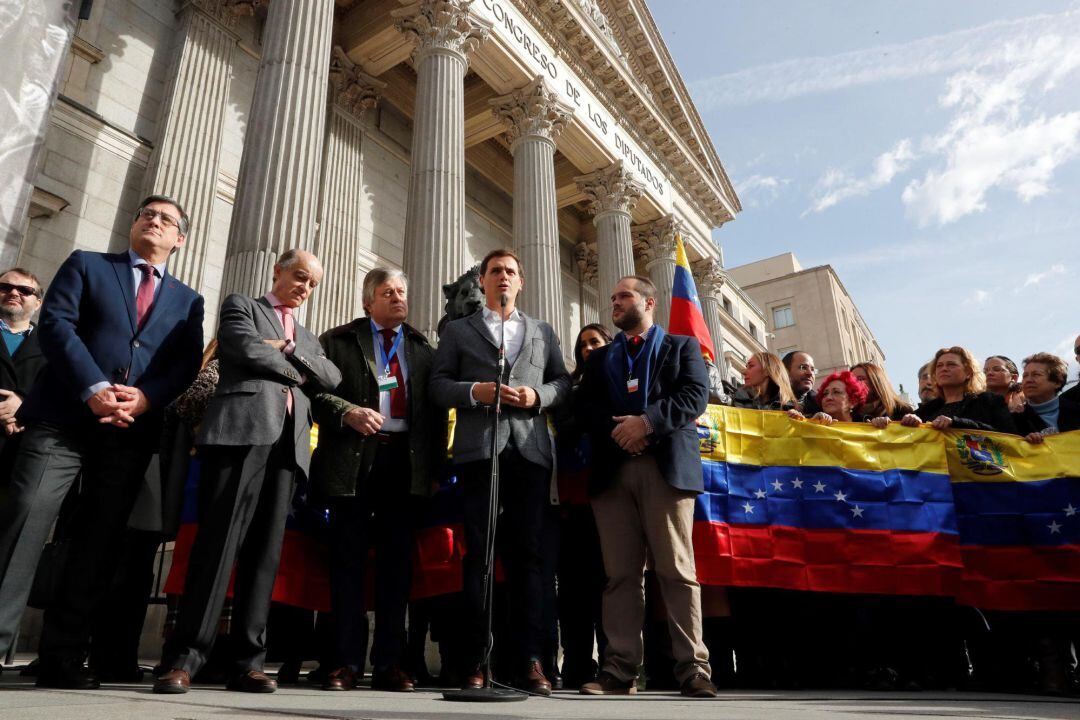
1045,512
684,286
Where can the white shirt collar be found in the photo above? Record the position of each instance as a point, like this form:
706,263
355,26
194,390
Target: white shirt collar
380,328
493,315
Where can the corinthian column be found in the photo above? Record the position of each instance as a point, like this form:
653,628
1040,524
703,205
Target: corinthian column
186,157
612,193
709,278
338,244
277,191
536,116
587,272
655,242
445,32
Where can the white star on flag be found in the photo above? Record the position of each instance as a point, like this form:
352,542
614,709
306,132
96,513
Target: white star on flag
797,484
856,511
777,485
748,508
840,496
819,486
759,494
1054,527
1070,510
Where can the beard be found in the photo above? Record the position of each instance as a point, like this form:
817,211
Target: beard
14,315
631,318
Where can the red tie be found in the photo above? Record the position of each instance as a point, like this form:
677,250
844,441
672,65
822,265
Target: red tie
145,297
397,395
288,323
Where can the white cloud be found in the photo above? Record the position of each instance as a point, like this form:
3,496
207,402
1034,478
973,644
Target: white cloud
978,297
990,141
836,185
759,189
948,52
1036,278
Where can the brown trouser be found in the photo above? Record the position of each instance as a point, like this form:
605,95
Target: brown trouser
640,513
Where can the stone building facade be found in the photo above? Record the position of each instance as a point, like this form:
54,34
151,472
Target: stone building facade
809,309
413,133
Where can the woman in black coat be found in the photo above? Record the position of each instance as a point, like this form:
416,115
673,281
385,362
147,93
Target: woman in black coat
962,401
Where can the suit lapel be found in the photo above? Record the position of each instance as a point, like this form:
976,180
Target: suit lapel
5,356
477,321
122,267
271,317
531,329
661,358
365,338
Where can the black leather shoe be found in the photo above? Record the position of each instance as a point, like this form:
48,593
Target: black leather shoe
67,677
253,681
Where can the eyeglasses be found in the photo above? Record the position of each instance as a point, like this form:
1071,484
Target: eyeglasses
24,290
167,220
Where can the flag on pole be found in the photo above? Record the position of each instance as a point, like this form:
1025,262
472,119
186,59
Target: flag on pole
686,316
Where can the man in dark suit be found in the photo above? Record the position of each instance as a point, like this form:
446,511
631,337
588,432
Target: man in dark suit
122,339
21,360
642,395
535,380
382,446
254,439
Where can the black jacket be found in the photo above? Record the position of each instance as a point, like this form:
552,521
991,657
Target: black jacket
977,411
678,395
19,373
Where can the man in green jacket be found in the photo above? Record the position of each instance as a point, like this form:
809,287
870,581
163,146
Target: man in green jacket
382,447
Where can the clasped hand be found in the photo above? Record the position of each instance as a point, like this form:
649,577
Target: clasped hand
521,397
118,405
630,433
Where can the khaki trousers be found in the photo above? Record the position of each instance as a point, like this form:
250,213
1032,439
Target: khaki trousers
639,515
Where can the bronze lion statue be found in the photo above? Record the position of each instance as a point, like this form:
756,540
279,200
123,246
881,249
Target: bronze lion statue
463,296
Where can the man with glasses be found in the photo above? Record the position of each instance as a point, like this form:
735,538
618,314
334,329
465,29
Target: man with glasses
123,338
20,356
801,372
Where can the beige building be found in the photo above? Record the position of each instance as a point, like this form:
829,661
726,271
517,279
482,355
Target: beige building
809,309
413,133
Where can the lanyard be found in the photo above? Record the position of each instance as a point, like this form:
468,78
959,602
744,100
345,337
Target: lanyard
385,356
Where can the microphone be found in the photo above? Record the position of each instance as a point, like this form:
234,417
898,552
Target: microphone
503,299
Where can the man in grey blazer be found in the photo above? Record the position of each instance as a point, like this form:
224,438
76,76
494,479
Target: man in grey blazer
535,380
254,438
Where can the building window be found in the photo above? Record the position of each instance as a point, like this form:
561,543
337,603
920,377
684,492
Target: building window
782,317
753,328
727,307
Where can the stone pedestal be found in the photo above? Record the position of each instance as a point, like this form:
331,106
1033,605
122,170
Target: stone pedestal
536,116
277,190
434,253
655,242
709,278
612,192
187,156
588,269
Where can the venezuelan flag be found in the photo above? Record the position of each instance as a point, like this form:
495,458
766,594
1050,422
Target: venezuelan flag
845,508
1018,512
686,317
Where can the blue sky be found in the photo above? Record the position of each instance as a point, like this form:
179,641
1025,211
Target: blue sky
928,150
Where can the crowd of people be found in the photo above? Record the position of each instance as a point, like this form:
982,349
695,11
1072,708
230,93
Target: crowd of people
114,373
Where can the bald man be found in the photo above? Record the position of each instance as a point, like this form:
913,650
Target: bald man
253,442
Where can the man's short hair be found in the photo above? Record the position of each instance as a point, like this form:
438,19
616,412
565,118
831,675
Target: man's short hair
288,258
375,278
643,285
498,253
185,221
789,358
26,273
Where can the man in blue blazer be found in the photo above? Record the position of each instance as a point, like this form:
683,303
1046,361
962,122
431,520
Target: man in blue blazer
123,339
641,396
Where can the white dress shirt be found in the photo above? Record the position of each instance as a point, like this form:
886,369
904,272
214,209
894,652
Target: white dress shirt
515,332
390,424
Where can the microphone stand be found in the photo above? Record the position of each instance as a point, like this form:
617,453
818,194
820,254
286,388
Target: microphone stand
489,693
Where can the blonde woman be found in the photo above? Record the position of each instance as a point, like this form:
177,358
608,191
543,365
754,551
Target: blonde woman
962,401
765,385
882,404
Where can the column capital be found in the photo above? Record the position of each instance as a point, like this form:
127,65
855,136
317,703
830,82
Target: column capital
588,262
441,25
532,111
354,90
610,189
237,8
225,12
709,276
655,240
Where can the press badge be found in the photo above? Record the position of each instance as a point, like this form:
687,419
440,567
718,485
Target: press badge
386,382
632,385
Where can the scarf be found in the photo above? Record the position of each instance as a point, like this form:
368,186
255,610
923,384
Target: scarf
617,369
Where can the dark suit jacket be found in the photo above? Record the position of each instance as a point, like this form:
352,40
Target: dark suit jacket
342,462
19,373
88,334
678,394
248,407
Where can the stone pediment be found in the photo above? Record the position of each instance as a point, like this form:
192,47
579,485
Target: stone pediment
617,43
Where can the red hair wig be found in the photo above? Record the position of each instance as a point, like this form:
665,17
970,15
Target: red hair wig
856,391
